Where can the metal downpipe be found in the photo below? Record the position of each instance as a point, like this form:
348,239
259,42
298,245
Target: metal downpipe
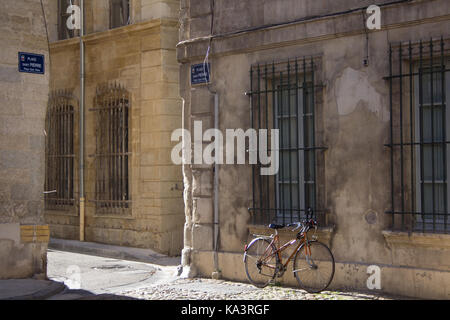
81,124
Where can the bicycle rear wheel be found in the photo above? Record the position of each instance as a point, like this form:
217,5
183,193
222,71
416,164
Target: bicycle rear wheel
260,260
314,266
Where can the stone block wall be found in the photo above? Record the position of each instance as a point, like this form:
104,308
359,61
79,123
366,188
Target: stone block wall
97,16
23,101
141,57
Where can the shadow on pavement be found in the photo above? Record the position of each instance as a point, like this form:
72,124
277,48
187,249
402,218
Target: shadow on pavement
69,294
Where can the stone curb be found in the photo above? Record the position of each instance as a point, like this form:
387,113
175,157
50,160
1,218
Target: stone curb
54,289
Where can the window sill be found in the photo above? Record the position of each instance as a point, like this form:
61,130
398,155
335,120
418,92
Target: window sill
417,239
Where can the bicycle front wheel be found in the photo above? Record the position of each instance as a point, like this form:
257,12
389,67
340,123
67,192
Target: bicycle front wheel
260,260
314,266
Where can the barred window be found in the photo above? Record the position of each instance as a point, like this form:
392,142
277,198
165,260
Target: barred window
59,152
63,31
420,124
112,107
119,13
285,96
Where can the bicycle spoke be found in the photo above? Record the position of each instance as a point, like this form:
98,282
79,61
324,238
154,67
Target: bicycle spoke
299,270
260,262
315,270
253,258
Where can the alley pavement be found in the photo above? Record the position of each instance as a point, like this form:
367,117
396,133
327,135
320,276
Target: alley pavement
103,274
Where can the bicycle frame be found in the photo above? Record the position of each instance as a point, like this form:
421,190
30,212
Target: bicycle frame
276,242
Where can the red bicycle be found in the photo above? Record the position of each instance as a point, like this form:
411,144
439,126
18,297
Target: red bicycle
313,261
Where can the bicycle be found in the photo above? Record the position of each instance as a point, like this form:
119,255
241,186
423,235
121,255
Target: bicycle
313,262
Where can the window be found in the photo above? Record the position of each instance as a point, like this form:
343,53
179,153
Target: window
294,120
420,125
63,31
112,150
59,152
119,13
432,128
284,97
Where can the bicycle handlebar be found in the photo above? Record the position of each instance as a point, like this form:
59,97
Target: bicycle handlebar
306,224
297,225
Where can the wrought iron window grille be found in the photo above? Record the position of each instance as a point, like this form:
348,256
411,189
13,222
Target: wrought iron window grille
288,96
59,151
419,90
112,187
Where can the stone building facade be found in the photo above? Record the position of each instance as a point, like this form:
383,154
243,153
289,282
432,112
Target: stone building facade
24,234
132,104
364,94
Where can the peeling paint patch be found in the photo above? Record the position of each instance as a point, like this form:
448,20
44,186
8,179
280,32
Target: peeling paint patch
352,89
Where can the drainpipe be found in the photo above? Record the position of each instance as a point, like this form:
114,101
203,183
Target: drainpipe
81,124
216,194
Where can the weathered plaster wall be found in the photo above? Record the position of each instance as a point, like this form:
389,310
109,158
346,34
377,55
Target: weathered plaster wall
355,121
23,100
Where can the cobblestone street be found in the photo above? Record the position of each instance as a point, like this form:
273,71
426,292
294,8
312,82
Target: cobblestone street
208,289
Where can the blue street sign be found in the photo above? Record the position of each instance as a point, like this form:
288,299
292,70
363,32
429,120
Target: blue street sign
31,63
198,73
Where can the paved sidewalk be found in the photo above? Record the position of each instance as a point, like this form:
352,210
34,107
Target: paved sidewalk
115,252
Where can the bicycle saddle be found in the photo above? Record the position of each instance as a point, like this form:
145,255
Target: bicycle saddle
276,226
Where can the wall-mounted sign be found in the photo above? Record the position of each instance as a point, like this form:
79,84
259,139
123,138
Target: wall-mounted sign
31,63
198,73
